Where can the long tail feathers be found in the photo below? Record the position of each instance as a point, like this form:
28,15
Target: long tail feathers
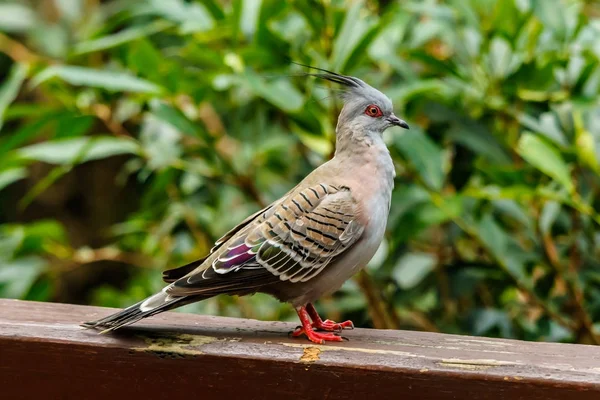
152,305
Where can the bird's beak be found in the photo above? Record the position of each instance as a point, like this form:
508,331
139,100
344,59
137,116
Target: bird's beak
397,121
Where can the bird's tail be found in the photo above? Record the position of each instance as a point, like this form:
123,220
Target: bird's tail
154,304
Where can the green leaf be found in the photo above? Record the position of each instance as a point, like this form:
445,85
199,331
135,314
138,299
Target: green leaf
10,88
421,215
27,132
424,155
17,276
280,93
405,197
39,233
592,83
512,209
41,290
548,215
11,175
191,182
389,39
486,319
174,117
425,31
552,14
558,333
146,60
585,144
72,124
78,150
419,88
355,31
292,27
547,125
161,142
501,59
546,158
11,239
249,14
480,140
122,37
492,236
577,64
108,80
472,42
191,16
52,39
503,248
70,10
15,17
412,268
43,184
380,256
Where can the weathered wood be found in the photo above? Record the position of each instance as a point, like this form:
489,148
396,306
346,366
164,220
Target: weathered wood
45,354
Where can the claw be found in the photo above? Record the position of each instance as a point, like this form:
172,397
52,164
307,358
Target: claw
309,328
327,325
332,326
317,337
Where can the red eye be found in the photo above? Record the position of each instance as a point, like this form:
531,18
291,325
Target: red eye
373,111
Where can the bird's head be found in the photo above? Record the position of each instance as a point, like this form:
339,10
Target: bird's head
365,108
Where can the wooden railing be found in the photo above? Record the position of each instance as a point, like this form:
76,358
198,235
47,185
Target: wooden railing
44,354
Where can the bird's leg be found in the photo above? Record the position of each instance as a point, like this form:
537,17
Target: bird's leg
308,330
327,325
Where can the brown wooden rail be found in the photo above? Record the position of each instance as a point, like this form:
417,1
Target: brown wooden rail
44,354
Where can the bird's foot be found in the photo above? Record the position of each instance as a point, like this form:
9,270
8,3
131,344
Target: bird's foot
317,337
308,327
327,325
332,326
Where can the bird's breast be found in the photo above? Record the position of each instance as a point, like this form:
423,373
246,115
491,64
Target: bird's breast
374,186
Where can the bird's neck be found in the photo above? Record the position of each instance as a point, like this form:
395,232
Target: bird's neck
359,143
364,153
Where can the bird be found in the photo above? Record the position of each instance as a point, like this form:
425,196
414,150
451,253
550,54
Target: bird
306,244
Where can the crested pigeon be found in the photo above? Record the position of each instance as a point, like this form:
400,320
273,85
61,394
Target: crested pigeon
309,242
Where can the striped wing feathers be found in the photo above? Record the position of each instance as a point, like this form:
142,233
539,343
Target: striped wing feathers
291,240
297,238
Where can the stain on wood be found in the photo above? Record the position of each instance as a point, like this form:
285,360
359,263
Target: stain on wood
310,354
45,354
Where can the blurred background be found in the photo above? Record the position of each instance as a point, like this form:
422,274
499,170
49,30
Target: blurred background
135,133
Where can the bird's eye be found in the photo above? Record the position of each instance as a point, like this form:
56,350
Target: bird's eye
373,111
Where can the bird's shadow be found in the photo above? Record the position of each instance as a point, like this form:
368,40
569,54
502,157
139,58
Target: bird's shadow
190,334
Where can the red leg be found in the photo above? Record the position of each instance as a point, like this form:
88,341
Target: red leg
308,330
326,325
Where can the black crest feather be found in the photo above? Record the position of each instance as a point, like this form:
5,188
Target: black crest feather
333,76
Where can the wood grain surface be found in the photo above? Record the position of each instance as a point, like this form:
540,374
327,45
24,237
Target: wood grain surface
44,354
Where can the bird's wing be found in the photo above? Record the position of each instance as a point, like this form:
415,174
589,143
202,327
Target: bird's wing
291,241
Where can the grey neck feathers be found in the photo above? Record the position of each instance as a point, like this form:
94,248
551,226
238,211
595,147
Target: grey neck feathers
352,139
358,147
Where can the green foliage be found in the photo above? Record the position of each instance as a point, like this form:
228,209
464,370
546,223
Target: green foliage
168,121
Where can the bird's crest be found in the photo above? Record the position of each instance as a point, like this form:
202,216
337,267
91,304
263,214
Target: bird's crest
353,88
343,80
